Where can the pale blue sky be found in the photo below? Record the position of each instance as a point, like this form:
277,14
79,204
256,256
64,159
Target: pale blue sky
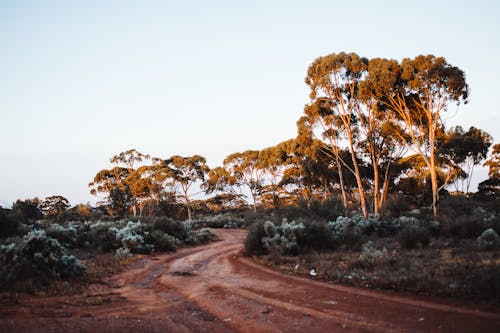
83,80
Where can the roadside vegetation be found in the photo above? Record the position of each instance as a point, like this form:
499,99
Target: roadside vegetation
374,190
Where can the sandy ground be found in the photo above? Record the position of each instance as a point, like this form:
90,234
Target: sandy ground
212,289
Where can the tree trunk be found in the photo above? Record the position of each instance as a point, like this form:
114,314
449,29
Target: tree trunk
376,186
385,188
253,199
434,182
188,206
362,199
341,179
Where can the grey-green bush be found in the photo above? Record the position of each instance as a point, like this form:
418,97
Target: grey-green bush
37,256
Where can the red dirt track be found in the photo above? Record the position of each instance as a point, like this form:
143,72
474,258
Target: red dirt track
211,289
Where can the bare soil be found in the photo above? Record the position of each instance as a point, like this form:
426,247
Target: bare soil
211,288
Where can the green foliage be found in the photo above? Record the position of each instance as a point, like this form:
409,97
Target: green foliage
317,236
282,239
168,225
201,236
65,235
253,241
226,221
413,237
488,240
462,217
27,211
370,256
37,256
10,225
54,207
163,241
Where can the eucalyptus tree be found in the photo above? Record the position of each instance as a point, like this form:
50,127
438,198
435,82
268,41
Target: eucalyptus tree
53,207
183,172
465,150
494,162
138,185
380,132
112,184
244,170
129,158
334,81
490,188
274,161
307,170
220,180
418,91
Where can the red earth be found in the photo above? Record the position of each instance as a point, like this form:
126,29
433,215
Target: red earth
211,288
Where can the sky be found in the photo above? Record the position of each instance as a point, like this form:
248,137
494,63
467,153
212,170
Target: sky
81,81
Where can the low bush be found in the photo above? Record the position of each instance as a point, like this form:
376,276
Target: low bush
317,236
132,236
488,240
122,253
97,235
413,236
253,241
67,236
370,255
225,220
355,224
201,236
282,239
10,225
397,205
163,241
37,256
168,225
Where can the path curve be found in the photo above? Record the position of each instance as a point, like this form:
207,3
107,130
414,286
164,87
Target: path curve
211,288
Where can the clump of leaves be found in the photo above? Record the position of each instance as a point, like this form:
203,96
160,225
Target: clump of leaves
37,256
413,237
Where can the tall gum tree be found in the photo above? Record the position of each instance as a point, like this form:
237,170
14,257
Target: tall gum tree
317,115
334,81
244,170
421,90
380,132
185,172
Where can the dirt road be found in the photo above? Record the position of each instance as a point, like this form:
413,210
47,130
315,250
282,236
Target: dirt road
210,289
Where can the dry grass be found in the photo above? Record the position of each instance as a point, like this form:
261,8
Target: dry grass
444,268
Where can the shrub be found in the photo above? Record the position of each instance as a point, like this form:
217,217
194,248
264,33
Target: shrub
226,221
131,236
99,235
396,205
201,236
356,224
488,240
65,235
253,241
122,253
37,256
170,226
462,217
282,239
370,256
317,236
464,226
9,224
413,236
163,241
353,239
